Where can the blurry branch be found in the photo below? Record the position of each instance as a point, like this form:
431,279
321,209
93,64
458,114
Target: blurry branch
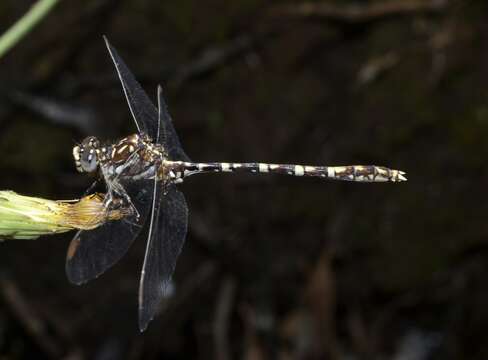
355,14
98,14
211,59
33,324
57,111
376,67
417,344
252,349
363,341
439,39
223,313
25,24
53,56
321,298
311,328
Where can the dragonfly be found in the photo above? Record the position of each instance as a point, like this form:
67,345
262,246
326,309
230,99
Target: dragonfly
142,171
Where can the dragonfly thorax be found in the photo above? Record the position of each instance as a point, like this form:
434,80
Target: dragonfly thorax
136,149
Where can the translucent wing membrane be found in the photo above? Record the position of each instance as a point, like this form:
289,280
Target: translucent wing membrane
167,135
92,252
144,112
167,233
142,109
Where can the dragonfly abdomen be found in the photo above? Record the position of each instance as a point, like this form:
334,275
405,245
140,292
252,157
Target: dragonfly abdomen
358,173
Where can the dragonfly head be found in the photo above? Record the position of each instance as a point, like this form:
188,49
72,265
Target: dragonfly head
86,154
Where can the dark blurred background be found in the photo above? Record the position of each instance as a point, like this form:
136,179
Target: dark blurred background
273,267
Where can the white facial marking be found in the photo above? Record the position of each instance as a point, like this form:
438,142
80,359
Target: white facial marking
76,153
264,168
299,170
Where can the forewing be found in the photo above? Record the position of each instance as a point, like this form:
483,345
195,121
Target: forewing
165,240
158,127
142,109
92,252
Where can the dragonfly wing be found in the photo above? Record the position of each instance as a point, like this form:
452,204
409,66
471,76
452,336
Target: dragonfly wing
167,133
92,252
166,237
142,109
159,127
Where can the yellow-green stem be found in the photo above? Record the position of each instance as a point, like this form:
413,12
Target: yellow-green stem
27,217
22,27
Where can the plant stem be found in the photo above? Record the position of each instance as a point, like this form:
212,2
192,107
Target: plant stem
27,217
13,35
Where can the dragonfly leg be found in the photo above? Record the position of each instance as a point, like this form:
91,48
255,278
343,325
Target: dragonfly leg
127,198
90,189
114,187
118,188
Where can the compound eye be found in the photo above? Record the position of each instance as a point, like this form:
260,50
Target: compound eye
89,160
93,142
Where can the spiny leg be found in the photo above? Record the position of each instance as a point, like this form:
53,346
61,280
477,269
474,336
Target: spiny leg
114,186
